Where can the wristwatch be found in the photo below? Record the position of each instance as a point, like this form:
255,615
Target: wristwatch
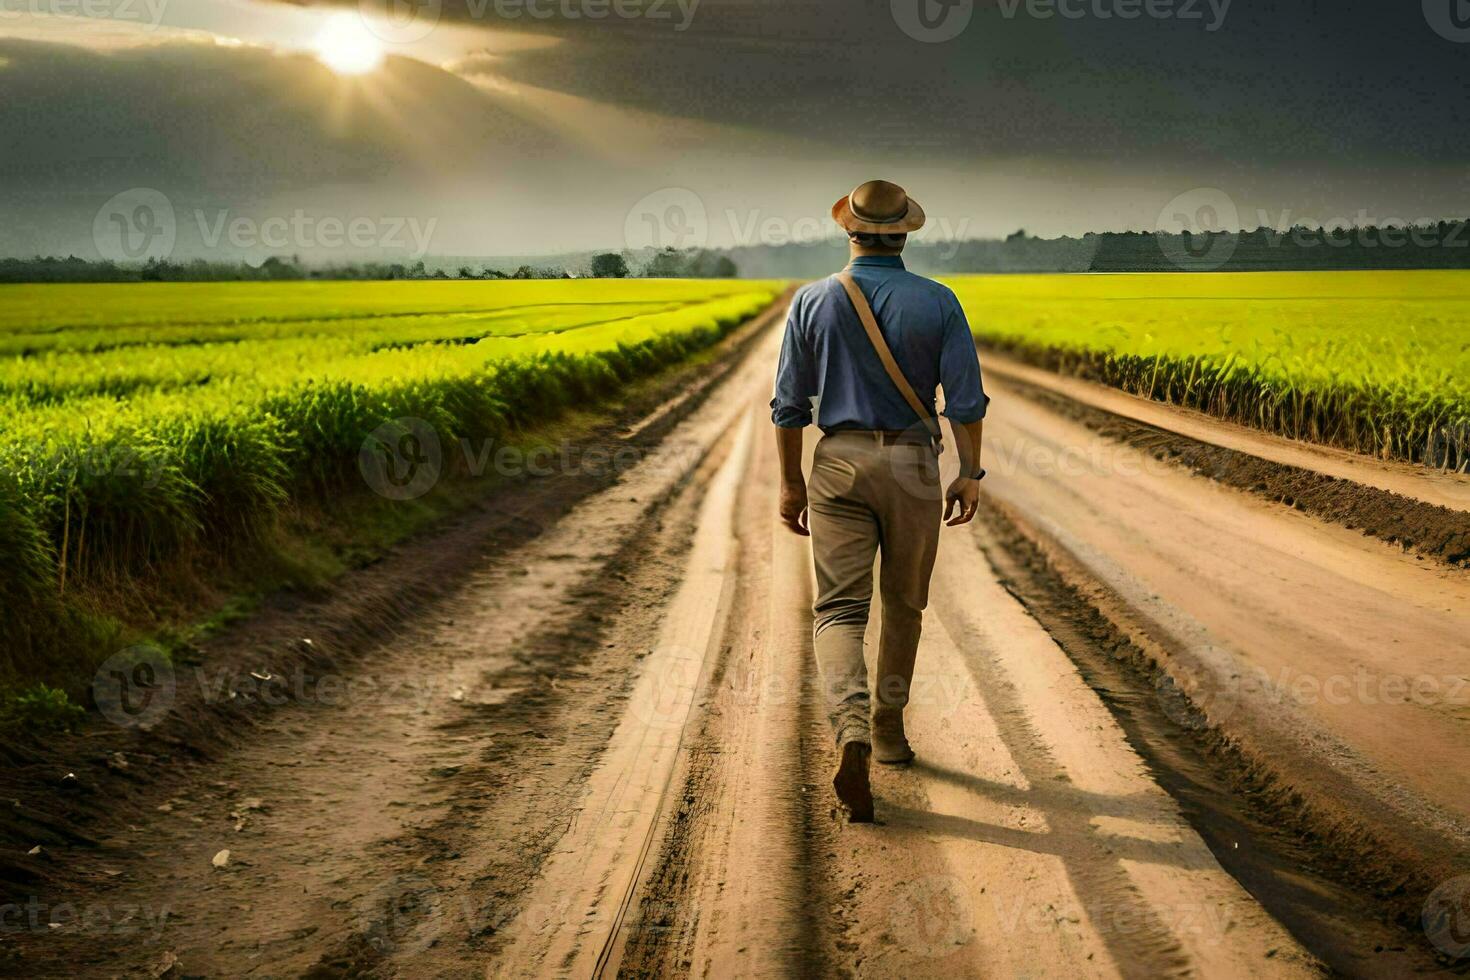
979,474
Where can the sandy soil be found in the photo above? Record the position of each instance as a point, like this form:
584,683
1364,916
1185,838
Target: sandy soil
1343,661
603,755
1028,840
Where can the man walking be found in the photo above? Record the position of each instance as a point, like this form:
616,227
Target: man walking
870,345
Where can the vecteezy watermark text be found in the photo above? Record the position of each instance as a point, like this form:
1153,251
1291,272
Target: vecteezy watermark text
1201,230
146,12
141,223
404,458
408,21
302,230
1362,230
938,21
138,687
94,919
676,217
1211,13
681,12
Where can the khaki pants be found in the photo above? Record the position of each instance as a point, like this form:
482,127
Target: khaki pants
867,498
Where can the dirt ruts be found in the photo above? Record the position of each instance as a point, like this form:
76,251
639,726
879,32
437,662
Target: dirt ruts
610,754
1425,529
69,796
1340,890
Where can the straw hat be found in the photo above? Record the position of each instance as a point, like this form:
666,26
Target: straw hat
878,208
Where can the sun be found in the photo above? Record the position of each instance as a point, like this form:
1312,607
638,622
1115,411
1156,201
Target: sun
345,45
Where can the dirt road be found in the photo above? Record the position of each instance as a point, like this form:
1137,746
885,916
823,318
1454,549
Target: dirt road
600,752
1344,659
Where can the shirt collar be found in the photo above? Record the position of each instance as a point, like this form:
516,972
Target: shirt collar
882,261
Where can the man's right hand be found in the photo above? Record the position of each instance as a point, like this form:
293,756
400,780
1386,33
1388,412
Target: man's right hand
964,494
793,507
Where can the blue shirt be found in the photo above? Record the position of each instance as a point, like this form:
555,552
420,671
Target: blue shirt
826,353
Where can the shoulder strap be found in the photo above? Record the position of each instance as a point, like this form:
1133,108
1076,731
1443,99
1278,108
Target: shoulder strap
895,373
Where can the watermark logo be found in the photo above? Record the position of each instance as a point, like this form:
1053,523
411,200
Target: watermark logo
938,21
680,13
404,915
135,688
135,226
933,916
1194,705
302,230
400,21
932,21
914,465
408,21
1210,13
672,217
662,697
1450,19
1446,917
404,458
145,469
677,218
149,13
93,920
1448,447
1200,229
1362,230
401,459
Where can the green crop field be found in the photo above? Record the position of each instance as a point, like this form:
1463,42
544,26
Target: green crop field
1377,362
146,420
141,419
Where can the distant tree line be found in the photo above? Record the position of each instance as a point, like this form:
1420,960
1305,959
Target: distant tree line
1442,245
1439,245
669,263
73,269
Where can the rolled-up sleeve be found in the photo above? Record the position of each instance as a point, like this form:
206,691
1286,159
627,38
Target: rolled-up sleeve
791,406
965,400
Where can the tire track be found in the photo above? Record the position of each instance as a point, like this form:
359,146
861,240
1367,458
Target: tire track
705,912
574,916
1329,899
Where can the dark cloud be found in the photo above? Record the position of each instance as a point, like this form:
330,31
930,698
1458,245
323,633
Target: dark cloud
1327,84
237,120
227,131
762,109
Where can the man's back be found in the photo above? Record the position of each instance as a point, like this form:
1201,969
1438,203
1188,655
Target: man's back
827,353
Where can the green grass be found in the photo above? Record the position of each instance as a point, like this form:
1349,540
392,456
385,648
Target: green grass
149,421
184,308
40,708
1375,362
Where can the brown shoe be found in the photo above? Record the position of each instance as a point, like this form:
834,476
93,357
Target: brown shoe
851,782
890,747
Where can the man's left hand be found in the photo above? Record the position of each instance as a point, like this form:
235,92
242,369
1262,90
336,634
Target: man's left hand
793,507
963,493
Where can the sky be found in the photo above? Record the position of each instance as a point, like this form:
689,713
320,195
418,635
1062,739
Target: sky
403,128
